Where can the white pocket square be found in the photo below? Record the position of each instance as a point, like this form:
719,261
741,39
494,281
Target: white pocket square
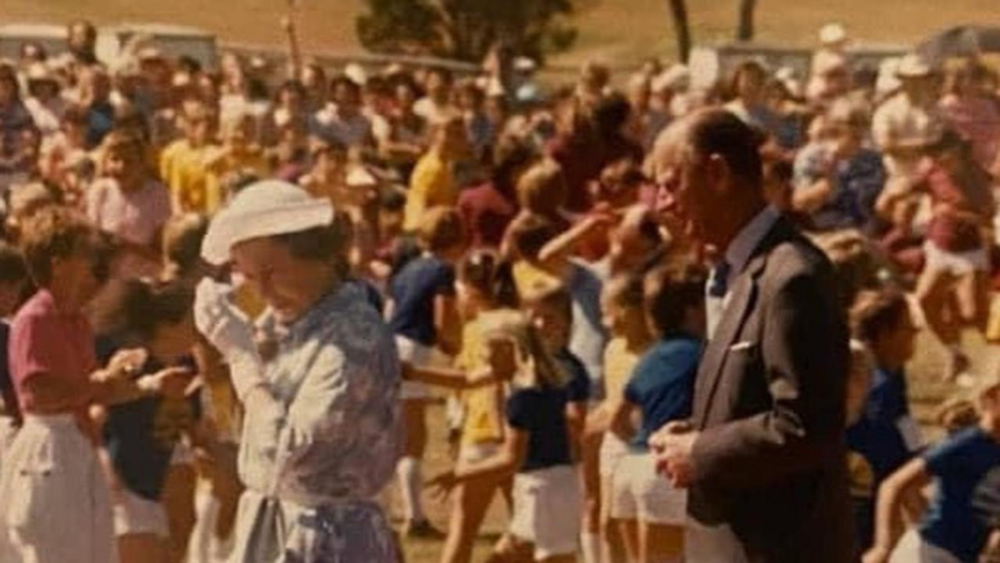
741,346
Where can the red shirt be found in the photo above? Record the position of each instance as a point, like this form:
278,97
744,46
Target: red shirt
45,340
957,201
486,213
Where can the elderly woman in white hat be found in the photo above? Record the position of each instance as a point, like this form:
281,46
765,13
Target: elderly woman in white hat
321,432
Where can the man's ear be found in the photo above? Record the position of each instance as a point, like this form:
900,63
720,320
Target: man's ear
717,172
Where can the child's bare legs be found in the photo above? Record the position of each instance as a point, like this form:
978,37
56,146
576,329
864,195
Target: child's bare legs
614,550
178,501
973,299
629,533
408,469
142,548
660,543
470,502
934,296
592,498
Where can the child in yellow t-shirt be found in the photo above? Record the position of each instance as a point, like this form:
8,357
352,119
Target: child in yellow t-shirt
185,165
486,299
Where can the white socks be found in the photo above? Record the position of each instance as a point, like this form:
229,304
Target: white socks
590,547
410,484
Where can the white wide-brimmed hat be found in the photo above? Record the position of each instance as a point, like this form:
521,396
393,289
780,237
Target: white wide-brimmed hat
262,209
913,66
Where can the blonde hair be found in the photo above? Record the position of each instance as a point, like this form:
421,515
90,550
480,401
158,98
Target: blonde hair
542,187
542,369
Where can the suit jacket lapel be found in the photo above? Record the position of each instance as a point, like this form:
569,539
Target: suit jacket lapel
741,302
744,294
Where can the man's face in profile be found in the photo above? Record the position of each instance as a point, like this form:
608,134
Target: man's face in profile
682,199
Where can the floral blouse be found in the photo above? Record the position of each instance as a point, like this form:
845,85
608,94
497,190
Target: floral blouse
335,446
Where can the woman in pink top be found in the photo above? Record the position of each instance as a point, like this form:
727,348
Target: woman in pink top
130,205
56,503
973,115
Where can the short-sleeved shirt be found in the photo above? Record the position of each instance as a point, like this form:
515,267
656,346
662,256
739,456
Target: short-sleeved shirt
45,340
483,420
978,120
577,380
541,413
186,171
857,184
486,213
662,385
959,465
353,131
973,194
619,362
413,292
898,120
134,216
141,435
432,184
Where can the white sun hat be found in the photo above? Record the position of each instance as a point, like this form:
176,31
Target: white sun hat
913,66
262,209
832,34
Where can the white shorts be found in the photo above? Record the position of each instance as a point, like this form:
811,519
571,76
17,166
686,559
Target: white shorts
56,501
913,549
640,493
137,515
613,450
956,263
472,453
548,510
417,354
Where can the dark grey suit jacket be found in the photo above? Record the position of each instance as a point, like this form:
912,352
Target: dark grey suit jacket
769,402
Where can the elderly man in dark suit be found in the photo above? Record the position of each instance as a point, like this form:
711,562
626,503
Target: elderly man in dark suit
763,455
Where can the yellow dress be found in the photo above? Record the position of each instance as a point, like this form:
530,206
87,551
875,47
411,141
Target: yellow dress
483,421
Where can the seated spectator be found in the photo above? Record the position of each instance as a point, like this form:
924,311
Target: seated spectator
127,203
342,121
184,165
838,180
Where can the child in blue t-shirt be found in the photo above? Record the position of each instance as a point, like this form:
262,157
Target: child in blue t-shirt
538,448
423,315
881,434
951,530
661,389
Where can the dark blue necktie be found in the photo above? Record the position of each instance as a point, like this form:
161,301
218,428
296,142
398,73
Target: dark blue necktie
719,283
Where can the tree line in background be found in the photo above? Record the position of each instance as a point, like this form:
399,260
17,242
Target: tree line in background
470,29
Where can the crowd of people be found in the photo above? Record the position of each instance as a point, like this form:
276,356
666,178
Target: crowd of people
668,323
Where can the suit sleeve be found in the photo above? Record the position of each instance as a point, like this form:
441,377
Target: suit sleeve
804,353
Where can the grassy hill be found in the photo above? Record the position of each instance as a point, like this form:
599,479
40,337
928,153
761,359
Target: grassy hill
617,30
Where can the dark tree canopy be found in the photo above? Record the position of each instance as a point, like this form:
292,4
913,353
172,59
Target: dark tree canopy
466,29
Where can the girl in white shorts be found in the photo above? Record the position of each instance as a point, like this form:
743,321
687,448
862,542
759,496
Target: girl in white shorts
537,448
651,512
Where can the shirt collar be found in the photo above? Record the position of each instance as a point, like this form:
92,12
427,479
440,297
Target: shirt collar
742,247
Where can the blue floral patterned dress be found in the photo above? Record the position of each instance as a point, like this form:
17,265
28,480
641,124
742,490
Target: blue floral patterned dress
312,471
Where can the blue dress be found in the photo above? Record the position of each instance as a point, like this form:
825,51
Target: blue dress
312,471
